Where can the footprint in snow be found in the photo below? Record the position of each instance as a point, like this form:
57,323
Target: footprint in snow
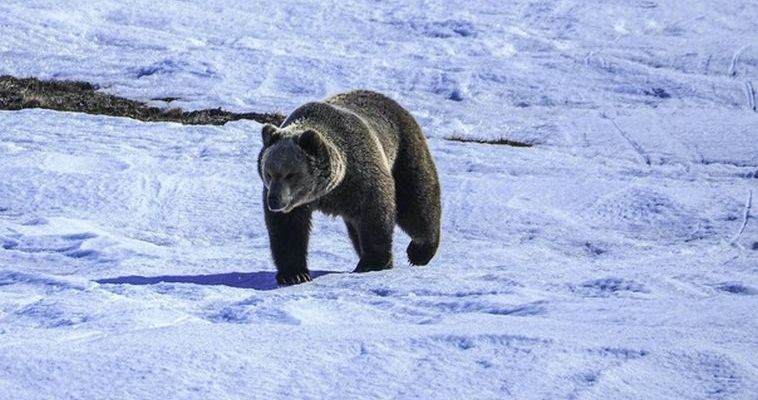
69,245
605,287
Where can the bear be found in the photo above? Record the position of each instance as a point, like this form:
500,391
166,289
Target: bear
359,156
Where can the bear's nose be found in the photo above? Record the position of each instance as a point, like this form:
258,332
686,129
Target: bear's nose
279,196
274,203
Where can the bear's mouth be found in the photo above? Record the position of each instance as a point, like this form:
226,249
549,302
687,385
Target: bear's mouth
282,208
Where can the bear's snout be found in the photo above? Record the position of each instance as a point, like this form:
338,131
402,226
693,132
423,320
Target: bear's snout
278,200
275,203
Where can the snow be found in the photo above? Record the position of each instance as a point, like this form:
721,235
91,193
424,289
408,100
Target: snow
616,258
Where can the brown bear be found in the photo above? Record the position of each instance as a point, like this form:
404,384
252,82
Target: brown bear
358,155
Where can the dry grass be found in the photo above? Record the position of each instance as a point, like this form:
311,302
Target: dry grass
74,96
499,141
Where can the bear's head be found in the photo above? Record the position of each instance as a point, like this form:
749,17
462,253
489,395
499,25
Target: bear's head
297,167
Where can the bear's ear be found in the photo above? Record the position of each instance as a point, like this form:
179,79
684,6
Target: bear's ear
310,141
269,134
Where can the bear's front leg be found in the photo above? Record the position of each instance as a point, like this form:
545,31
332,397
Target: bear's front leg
375,238
288,236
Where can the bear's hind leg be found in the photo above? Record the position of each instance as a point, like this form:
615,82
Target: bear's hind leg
353,237
417,194
375,238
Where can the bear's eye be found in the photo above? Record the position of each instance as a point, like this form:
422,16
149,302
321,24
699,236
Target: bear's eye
268,176
289,176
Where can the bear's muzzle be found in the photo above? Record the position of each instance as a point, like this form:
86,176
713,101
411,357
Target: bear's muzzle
279,198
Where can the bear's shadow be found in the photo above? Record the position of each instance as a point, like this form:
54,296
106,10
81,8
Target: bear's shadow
261,280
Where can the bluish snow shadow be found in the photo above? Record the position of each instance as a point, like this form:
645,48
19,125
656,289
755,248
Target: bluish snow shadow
262,280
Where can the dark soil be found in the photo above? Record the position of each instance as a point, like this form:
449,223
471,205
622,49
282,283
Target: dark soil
74,96
501,141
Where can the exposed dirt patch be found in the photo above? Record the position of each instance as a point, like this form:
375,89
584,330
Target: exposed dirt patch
75,96
500,141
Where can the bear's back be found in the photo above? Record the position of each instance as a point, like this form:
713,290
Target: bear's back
385,117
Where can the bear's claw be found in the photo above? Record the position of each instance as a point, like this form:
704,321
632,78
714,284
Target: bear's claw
369,268
293,279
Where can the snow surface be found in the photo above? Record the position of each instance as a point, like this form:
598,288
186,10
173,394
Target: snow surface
617,258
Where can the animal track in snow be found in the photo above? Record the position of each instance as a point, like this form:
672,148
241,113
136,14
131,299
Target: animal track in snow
519,310
452,28
737,288
645,214
714,375
609,286
69,245
47,314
